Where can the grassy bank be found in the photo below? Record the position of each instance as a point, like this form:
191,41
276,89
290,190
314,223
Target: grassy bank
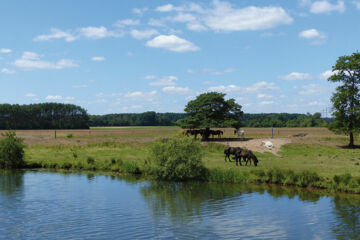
318,166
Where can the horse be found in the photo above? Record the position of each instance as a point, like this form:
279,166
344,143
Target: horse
240,133
193,132
247,156
231,151
219,133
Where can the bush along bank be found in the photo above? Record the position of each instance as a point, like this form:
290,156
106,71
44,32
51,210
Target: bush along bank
180,159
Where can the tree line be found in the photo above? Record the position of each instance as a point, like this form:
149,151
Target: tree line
43,116
247,120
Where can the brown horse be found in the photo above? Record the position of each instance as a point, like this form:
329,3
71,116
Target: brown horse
247,156
231,151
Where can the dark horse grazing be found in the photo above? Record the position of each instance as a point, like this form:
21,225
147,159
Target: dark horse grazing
219,133
246,155
231,151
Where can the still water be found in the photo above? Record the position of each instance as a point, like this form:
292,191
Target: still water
48,205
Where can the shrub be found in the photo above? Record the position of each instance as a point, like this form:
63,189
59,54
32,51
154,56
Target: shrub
11,151
345,178
69,135
90,160
177,159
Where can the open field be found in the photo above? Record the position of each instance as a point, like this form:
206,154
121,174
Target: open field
319,151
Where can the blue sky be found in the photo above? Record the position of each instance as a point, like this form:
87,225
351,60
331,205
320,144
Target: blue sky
135,56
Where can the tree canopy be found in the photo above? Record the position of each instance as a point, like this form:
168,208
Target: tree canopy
210,110
346,99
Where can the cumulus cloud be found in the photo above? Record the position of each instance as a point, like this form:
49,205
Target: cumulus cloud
140,94
139,11
297,76
8,71
5,50
211,71
266,102
54,97
141,34
127,22
262,95
98,59
357,4
310,89
56,34
97,32
162,81
222,16
172,43
31,60
325,75
325,6
256,87
176,90
314,35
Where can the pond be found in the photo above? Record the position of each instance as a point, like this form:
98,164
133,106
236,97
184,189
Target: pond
50,205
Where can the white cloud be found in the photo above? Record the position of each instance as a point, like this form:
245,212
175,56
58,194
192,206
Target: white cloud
165,8
97,32
30,95
138,34
311,34
222,16
5,50
162,81
176,90
54,97
127,22
172,43
8,71
98,58
256,87
139,94
325,75
139,11
31,60
314,35
156,22
357,4
56,34
80,86
262,95
226,18
325,6
310,89
266,102
261,86
211,71
297,76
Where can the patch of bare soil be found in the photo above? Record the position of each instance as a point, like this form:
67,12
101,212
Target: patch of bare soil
255,144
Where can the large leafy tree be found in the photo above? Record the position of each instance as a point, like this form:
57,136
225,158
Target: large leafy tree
211,110
346,99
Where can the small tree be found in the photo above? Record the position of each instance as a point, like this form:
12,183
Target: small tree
346,99
11,151
211,110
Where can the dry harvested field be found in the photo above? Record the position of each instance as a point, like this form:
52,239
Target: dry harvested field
142,135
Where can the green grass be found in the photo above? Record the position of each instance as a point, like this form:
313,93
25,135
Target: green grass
132,127
319,166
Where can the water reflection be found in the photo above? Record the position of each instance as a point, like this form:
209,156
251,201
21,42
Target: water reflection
347,210
11,181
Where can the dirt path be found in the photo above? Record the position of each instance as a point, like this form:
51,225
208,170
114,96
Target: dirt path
255,144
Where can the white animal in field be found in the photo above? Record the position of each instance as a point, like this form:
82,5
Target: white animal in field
267,144
240,133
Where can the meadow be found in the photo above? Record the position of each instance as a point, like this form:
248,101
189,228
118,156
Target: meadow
126,149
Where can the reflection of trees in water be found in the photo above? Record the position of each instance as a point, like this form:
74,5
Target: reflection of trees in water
184,200
11,181
347,211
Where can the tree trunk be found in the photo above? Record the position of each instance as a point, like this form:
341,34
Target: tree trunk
351,144
206,134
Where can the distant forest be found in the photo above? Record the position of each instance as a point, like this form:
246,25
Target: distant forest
248,119
69,116
43,116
